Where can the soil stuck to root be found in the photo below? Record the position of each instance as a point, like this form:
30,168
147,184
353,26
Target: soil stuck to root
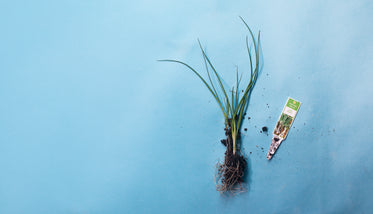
230,173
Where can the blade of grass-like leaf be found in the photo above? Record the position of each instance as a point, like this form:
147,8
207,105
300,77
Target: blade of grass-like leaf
242,102
251,33
227,106
218,77
207,70
243,99
249,52
232,98
258,56
201,78
256,49
253,75
238,96
240,114
237,88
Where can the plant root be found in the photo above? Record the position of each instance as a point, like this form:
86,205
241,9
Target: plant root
230,174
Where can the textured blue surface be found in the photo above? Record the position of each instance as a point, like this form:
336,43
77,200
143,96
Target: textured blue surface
91,123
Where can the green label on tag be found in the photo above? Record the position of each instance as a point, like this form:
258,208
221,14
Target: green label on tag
293,104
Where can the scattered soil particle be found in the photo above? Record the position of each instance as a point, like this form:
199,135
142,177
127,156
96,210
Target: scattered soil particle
264,129
250,153
224,142
245,129
249,118
261,148
260,131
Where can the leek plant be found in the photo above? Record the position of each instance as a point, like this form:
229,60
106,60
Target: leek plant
232,103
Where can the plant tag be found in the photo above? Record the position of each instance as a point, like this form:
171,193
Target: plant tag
283,125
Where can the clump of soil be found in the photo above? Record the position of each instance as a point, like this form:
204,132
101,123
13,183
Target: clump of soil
230,173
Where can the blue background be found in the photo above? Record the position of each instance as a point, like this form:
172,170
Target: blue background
90,122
